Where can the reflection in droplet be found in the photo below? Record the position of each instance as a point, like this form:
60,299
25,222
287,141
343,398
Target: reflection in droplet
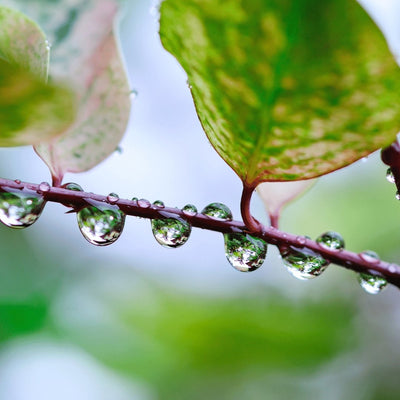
20,209
244,252
372,284
171,232
101,224
331,241
218,211
144,203
304,264
390,176
189,210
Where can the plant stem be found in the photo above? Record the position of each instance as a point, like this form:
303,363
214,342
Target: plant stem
77,200
251,223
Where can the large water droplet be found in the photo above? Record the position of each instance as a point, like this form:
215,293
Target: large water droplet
144,203
171,232
372,284
304,263
218,211
20,209
244,252
390,176
101,224
189,210
331,241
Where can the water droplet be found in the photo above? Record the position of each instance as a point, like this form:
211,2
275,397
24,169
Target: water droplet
370,256
101,224
245,253
304,263
112,198
390,176
143,203
48,45
17,181
397,196
133,94
159,204
20,209
301,240
43,187
134,199
72,186
119,150
372,284
364,159
189,210
171,232
331,241
218,211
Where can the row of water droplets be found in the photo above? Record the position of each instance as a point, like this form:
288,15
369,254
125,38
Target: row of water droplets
102,223
305,264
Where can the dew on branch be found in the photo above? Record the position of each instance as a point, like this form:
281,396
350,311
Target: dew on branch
171,232
331,241
372,284
218,211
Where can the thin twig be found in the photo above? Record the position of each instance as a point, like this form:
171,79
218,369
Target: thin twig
76,200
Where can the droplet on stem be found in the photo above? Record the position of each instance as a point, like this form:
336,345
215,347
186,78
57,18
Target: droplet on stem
72,186
331,241
390,176
171,232
218,211
101,224
113,198
20,209
144,203
44,187
304,264
189,210
372,284
244,252
370,256
159,204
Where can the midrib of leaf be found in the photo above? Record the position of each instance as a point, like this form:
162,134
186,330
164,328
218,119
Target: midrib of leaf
270,97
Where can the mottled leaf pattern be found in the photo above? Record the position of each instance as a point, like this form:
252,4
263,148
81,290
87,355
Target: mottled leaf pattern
285,90
30,110
86,54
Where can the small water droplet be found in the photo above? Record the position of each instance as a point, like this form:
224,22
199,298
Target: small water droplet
119,150
48,45
364,159
20,209
218,211
372,284
301,240
189,210
171,232
144,203
133,94
158,204
244,252
113,198
44,187
101,224
397,196
17,181
331,241
304,264
370,256
390,176
135,199
72,186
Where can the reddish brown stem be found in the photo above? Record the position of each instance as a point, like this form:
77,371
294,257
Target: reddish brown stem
251,223
344,258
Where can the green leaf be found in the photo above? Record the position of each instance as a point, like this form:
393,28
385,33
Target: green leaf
30,110
285,90
86,53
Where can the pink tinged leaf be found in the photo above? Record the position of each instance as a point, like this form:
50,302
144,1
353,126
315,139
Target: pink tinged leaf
276,195
96,70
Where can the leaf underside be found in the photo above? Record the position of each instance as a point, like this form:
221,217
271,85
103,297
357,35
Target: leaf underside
285,90
30,110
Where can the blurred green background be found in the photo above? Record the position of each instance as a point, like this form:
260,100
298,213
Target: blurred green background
137,321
